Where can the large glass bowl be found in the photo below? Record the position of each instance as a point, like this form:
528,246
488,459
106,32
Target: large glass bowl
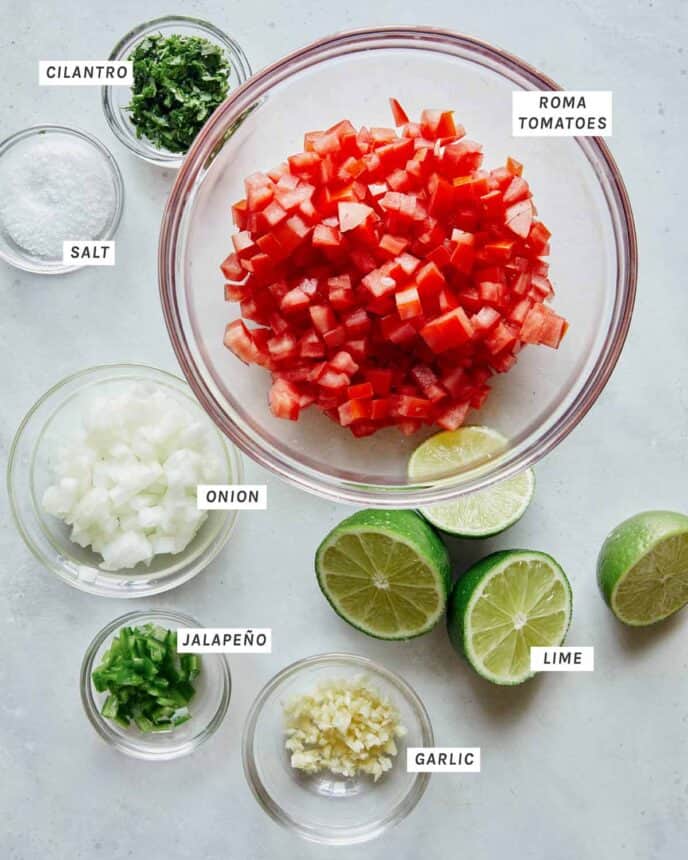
326,807
579,195
51,422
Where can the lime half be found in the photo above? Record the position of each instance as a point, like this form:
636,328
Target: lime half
642,568
385,573
481,514
504,605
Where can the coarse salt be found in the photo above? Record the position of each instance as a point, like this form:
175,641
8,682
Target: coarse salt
54,188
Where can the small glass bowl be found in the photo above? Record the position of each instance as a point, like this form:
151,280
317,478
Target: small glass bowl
48,423
324,807
17,256
208,706
115,99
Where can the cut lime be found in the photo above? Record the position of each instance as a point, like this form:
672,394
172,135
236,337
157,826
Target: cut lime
504,605
642,568
385,573
485,512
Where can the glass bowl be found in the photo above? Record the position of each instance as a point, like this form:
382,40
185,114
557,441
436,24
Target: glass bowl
325,807
208,706
115,99
579,195
12,252
56,416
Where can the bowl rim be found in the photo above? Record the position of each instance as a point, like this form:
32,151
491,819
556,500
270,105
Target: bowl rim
56,267
159,584
127,745
238,61
362,833
341,489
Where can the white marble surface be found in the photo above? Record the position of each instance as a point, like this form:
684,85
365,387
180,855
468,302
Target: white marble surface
574,766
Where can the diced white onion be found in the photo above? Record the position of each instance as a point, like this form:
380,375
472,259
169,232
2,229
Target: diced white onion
126,484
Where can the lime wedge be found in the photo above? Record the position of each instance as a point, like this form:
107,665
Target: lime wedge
642,568
504,605
481,514
385,573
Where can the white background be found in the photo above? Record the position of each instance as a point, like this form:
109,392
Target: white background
575,766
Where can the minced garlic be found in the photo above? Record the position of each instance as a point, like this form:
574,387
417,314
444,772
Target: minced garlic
344,726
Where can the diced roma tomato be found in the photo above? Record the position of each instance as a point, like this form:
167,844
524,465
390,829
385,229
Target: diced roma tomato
393,245
362,391
463,157
397,331
344,362
379,409
493,204
294,301
542,325
282,347
378,283
553,330
380,379
455,381
310,346
407,263
390,274
485,319
519,217
516,190
326,237
341,297
518,312
240,214
333,380
538,237
453,416
335,337
463,255
442,199
351,215
497,252
440,255
398,113
232,269
235,292
408,303
285,400
239,340
353,410
427,382
323,317
430,280
447,331
356,322
501,337
244,245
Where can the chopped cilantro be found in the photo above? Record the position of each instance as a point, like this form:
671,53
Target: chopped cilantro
178,83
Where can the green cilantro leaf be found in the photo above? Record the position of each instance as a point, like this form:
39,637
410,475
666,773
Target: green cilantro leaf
178,83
